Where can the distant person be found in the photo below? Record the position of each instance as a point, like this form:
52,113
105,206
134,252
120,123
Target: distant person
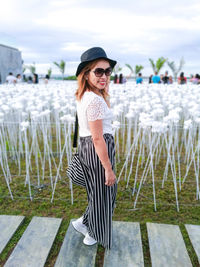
165,78
35,78
116,80
161,78
24,78
30,80
150,78
46,79
156,78
19,78
170,80
11,79
121,78
124,80
196,79
182,79
139,78
192,78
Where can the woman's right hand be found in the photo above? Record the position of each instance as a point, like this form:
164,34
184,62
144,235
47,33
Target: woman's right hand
110,177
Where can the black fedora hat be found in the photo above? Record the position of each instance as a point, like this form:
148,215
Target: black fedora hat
91,55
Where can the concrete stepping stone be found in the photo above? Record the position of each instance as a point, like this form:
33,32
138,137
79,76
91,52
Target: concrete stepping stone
127,246
34,246
194,235
8,226
167,247
74,253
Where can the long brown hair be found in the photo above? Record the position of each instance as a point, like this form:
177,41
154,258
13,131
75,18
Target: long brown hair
84,84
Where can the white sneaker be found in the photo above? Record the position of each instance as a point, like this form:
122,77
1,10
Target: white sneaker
88,240
79,226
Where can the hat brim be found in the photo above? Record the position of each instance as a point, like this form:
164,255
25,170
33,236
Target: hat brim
82,65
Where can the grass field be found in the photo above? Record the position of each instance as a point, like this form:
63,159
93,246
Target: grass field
62,208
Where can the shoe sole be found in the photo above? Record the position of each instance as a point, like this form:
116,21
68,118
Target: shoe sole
89,244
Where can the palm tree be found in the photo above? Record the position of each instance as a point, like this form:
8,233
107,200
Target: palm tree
138,68
24,68
158,65
174,69
49,72
61,67
130,68
32,68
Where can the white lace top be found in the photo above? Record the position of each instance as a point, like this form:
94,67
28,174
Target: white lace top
90,108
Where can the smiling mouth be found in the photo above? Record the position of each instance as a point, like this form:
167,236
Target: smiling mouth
102,83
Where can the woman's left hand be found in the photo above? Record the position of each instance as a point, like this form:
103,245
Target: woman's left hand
110,177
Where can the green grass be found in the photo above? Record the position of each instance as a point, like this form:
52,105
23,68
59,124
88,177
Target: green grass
62,208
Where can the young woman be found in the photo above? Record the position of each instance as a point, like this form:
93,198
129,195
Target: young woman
182,79
96,148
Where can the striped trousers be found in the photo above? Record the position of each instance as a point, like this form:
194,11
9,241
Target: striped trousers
101,198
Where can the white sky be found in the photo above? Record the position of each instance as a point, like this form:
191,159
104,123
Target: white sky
130,31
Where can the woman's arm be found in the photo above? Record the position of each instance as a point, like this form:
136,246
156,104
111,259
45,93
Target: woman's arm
96,128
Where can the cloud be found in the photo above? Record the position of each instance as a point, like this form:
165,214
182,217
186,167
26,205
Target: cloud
130,31
74,47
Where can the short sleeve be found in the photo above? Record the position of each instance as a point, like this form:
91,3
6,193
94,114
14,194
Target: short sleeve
96,109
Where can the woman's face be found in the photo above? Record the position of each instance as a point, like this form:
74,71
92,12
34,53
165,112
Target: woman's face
99,82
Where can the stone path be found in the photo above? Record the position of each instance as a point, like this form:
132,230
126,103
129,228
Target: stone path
8,226
167,247
82,256
127,246
34,246
194,234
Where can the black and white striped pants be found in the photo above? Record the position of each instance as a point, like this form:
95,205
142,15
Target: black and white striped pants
101,198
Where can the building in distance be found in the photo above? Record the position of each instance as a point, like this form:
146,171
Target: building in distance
10,61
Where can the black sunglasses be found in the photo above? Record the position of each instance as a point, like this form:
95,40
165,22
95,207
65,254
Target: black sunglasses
99,72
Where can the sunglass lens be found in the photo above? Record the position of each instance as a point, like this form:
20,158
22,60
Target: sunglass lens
108,71
99,72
